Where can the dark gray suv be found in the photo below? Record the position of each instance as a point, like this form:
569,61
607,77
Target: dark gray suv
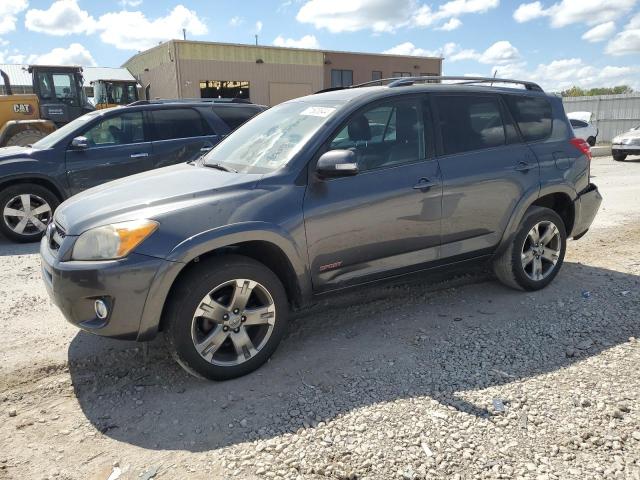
316,195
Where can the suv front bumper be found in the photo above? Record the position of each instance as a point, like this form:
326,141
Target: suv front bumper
123,285
586,207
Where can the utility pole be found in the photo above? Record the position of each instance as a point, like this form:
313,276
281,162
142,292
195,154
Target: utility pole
184,33
256,35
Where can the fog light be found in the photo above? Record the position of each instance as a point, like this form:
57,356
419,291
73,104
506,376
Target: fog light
101,309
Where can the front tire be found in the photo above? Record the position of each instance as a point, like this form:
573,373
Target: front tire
226,317
619,157
25,138
25,211
536,252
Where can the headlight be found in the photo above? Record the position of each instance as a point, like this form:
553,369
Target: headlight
112,241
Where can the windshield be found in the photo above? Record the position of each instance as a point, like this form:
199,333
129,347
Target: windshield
271,139
53,138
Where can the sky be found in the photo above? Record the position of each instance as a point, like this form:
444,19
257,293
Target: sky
559,43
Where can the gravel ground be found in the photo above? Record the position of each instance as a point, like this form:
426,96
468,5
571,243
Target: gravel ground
438,377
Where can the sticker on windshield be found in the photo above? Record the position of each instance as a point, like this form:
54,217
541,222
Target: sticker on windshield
318,111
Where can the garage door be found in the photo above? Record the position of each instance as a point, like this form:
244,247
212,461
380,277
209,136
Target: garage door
281,92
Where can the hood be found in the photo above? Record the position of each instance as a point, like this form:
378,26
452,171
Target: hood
147,195
582,116
629,134
9,153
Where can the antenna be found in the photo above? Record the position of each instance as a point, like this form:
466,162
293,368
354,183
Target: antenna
256,35
184,33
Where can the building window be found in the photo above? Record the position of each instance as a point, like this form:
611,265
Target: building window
401,74
430,75
341,78
224,89
376,75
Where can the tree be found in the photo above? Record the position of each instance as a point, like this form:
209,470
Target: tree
580,92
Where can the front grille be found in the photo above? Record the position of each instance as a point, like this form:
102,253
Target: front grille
55,236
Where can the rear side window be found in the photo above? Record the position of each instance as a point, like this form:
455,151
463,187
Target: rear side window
179,123
578,123
533,116
235,116
469,123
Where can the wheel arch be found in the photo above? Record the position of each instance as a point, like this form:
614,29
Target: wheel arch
42,181
13,127
272,250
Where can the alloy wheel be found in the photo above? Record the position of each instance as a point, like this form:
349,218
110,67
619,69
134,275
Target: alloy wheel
27,214
233,322
541,250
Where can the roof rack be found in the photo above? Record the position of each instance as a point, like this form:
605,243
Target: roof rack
190,100
394,82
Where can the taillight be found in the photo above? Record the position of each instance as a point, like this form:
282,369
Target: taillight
582,145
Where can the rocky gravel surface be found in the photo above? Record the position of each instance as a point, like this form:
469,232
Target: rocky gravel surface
439,376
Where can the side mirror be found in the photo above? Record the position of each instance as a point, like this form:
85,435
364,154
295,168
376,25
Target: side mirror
337,163
80,143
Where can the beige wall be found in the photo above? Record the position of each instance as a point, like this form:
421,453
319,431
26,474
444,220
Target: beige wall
156,66
260,76
363,64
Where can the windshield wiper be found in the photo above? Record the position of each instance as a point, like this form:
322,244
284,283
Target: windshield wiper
219,166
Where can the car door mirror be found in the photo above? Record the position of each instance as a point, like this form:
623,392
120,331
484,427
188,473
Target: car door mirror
337,163
80,143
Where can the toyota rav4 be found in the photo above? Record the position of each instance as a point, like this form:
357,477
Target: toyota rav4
316,195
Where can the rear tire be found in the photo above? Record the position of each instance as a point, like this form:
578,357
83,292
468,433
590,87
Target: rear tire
619,157
226,317
25,138
517,267
41,203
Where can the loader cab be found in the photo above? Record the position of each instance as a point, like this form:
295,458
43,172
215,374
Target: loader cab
111,93
60,91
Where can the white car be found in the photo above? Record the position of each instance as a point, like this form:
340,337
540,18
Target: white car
582,126
627,143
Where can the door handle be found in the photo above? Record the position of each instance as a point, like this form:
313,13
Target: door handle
138,155
423,184
206,149
523,167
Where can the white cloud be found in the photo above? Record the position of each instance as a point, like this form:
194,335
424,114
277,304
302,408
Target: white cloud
74,54
130,3
528,11
236,21
501,53
408,48
628,41
567,12
258,26
565,73
63,17
452,24
134,31
9,9
308,41
600,32
384,15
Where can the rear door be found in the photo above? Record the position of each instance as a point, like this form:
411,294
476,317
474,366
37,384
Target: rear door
179,135
118,146
486,170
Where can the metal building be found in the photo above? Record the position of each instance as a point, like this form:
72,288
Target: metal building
264,74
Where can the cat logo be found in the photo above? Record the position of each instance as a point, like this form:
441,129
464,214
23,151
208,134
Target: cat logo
23,108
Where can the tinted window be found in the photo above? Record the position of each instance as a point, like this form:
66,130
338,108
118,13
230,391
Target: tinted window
235,116
533,116
179,123
578,123
383,136
118,130
469,123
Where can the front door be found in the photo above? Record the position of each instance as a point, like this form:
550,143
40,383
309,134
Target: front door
117,148
486,170
386,219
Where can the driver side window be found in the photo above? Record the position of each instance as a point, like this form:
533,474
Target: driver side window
118,130
383,136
